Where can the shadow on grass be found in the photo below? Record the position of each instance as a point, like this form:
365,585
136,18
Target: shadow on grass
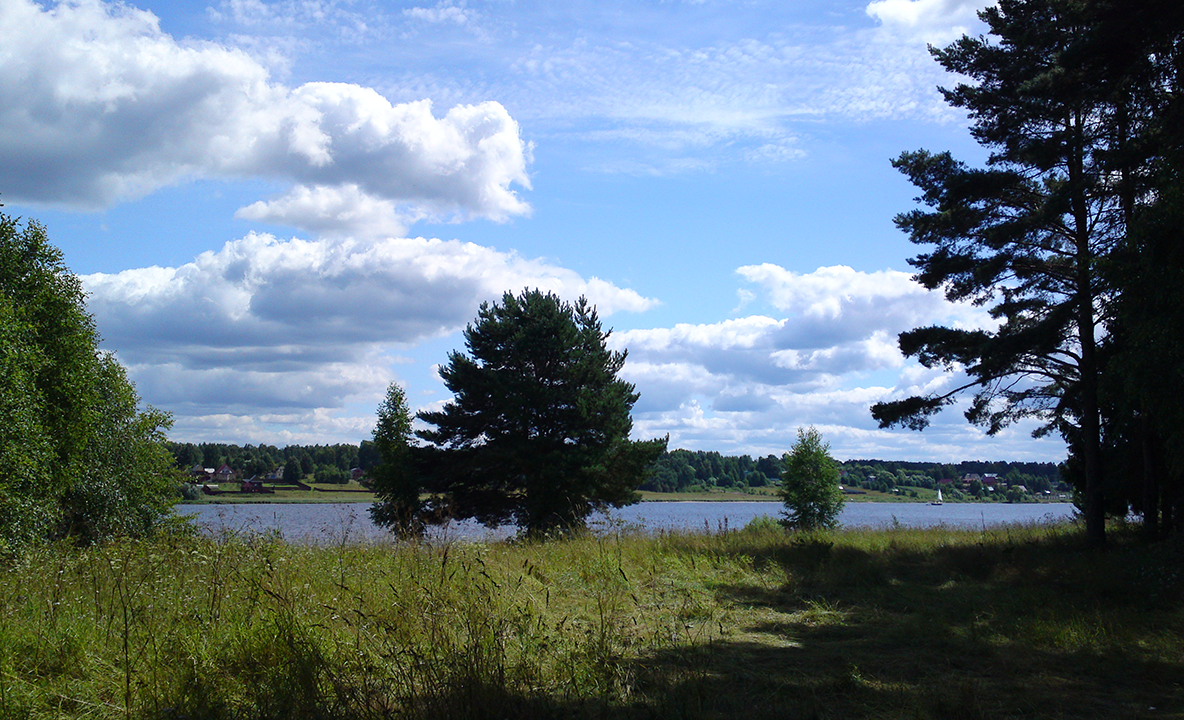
999,628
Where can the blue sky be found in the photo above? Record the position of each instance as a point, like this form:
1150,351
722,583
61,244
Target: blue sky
280,207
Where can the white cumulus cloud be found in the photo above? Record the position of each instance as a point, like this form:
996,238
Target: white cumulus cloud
933,21
746,384
99,105
265,325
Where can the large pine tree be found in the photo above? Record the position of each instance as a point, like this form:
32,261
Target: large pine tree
1030,234
538,431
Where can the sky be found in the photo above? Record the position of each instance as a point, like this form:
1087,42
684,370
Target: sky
279,208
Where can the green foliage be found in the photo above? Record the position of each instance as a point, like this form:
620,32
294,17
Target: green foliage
261,459
127,486
1068,96
190,492
538,431
292,471
330,474
77,456
679,470
394,481
810,484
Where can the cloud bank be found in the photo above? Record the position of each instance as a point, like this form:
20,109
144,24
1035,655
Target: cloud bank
99,105
745,385
266,326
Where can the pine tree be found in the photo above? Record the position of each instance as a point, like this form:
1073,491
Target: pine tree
1030,234
538,431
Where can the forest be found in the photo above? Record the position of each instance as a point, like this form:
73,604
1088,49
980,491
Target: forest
697,470
324,463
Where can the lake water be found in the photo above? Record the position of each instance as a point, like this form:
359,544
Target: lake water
339,522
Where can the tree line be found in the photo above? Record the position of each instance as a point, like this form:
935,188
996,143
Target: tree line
676,470
324,463
699,470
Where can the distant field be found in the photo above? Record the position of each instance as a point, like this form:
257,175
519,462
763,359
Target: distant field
326,493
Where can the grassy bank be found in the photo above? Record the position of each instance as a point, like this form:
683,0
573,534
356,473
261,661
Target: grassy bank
321,493
893,623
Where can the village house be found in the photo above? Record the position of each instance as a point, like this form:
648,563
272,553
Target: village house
200,474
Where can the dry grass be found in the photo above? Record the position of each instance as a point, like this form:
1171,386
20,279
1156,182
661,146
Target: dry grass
938,623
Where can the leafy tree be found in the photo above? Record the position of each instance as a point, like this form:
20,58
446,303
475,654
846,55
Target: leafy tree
769,466
538,431
127,486
1028,234
394,481
27,452
77,456
368,455
293,472
810,484
330,474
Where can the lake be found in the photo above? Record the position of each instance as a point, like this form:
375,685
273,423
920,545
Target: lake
341,522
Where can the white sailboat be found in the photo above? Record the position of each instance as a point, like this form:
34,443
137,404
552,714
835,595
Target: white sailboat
938,500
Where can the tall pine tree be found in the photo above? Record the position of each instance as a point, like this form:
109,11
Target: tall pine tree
1030,234
538,431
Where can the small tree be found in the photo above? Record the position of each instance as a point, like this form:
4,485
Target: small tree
395,484
538,433
810,484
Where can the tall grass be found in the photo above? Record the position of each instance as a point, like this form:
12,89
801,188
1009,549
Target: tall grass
754,623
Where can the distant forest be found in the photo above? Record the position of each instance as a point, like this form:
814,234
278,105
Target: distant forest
324,463
690,470
674,471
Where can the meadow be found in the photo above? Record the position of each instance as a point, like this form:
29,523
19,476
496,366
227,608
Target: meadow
754,623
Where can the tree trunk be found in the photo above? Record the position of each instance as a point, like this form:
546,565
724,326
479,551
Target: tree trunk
1095,508
1171,508
1150,480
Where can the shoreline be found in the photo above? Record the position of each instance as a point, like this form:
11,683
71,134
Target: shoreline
297,497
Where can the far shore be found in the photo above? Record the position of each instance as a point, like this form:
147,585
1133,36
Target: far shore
332,494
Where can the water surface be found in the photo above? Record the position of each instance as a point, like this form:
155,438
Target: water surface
350,522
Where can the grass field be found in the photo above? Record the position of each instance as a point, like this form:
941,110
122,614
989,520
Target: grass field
1017,622
323,493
